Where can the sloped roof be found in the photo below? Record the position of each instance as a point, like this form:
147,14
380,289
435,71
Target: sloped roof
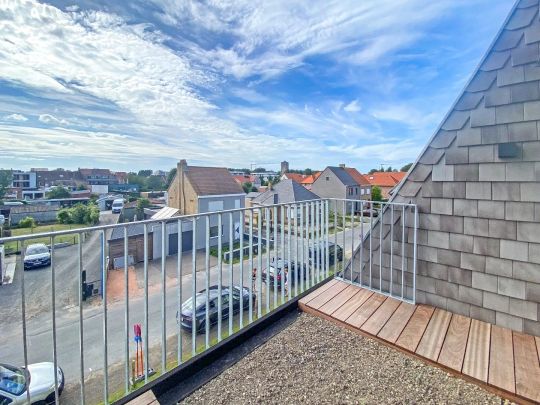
165,213
385,179
288,191
310,179
212,181
343,175
133,229
295,177
359,178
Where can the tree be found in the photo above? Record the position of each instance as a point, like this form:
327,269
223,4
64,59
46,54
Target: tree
389,169
81,187
145,172
136,179
373,171
79,214
308,172
170,176
142,203
247,186
376,193
5,182
58,192
259,170
63,216
27,222
406,167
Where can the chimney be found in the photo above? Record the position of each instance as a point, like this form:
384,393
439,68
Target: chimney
284,167
342,165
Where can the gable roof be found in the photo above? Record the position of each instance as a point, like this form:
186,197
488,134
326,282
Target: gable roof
287,191
385,179
310,179
359,178
297,177
343,175
212,181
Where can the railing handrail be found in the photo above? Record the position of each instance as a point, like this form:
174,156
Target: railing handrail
175,219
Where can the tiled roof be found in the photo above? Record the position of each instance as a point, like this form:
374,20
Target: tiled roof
212,181
288,191
385,179
359,178
295,177
310,179
244,178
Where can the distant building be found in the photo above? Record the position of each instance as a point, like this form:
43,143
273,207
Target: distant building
22,180
57,177
284,167
386,181
100,177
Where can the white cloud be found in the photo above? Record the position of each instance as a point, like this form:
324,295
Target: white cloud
15,117
353,106
52,120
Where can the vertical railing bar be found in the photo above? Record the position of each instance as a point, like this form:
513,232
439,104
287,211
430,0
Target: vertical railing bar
231,275
145,242
327,236
296,270
253,279
287,283
361,273
415,252
402,251
391,249
81,326
344,244
259,262
163,301
276,255
381,226
207,282
53,313
220,276
194,288
353,206
126,313
371,212
241,283
268,253
179,266
318,239
105,337
300,208
23,313
336,240
282,292
311,231
305,242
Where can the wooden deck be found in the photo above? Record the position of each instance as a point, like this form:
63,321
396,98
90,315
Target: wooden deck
500,360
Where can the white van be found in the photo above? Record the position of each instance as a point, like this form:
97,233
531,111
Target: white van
117,206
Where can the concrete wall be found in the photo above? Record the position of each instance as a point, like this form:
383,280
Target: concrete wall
479,221
44,216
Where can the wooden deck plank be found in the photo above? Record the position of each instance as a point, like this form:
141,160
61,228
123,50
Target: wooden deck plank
327,295
412,333
476,361
337,302
318,291
352,305
538,347
367,309
455,343
527,367
397,322
501,359
432,341
379,318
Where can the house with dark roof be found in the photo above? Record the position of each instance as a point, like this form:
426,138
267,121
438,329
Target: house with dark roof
342,182
198,189
386,181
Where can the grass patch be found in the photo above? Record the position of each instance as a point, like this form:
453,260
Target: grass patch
12,247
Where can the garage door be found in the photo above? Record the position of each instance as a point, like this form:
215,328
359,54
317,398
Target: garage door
187,242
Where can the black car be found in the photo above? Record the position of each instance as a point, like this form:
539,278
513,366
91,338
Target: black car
239,294
36,255
276,268
322,253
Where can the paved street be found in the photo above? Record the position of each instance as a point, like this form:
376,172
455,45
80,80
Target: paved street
67,314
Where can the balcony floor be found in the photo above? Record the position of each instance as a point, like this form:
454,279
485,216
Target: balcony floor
498,359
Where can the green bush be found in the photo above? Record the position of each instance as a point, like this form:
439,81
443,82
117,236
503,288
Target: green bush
27,222
79,214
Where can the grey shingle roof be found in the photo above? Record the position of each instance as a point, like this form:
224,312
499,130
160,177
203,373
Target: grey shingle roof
343,176
212,181
288,191
133,229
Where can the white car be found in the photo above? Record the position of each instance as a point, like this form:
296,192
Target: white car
37,255
117,206
38,379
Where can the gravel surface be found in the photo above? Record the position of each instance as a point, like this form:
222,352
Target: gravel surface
315,361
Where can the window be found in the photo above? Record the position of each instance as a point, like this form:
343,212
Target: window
215,206
368,190
361,191
214,231
327,178
237,203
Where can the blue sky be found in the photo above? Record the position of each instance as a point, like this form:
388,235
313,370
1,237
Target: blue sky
232,83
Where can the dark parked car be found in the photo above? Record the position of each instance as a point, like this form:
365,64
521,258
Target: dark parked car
185,316
277,268
322,253
37,255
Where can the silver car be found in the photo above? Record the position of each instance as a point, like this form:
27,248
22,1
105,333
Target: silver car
37,255
38,378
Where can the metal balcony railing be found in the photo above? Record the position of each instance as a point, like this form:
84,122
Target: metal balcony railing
164,291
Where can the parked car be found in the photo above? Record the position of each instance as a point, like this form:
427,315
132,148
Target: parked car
37,255
38,378
322,253
117,206
370,212
276,270
185,315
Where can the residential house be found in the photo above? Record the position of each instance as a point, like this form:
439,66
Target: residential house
342,183
305,180
197,190
22,180
386,181
58,177
248,178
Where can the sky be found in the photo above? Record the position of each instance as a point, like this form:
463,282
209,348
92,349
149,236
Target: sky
234,83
